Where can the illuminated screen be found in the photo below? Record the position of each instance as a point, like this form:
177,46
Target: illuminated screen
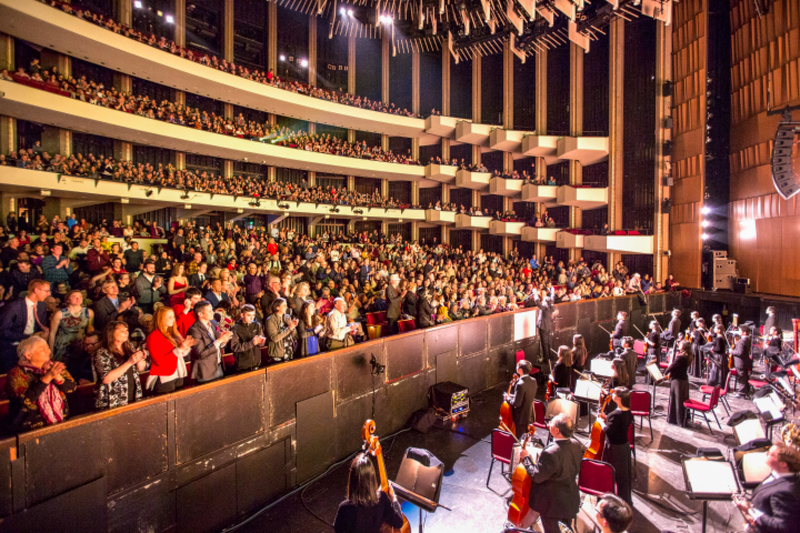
525,324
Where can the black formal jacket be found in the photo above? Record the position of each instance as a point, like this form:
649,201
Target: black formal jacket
205,361
15,317
393,297
779,500
554,491
522,396
546,315
741,354
425,313
620,330
104,312
247,354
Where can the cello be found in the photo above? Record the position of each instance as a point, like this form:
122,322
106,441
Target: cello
506,410
520,483
372,446
598,436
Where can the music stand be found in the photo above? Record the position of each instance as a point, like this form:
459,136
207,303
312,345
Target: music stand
419,481
748,430
558,406
657,377
588,391
602,367
709,480
770,408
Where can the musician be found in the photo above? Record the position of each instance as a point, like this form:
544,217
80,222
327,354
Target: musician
545,325
715,321
742,360
631,359
718,358
617,450
562,371
521,398
694,316
699,339
669,335
775,504
366,508
620,330
771,320
773,348
678,373
554,490
612,514
580,354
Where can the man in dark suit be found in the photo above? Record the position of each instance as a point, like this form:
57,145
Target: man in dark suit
546,313
775,504
108,308
742,360
20,319
669,335
521,398
394,299
620,331
554,489
631,359
207,352
200,279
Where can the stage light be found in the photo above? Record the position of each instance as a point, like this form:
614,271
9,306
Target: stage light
705,236
170,19
705,210
137,4
349,12
386,19
342,11
304,63
282,57
705,223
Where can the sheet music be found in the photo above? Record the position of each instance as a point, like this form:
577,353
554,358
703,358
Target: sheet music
602,367
714,478
755,467
748,430
585,388
767,404
655,371
533,450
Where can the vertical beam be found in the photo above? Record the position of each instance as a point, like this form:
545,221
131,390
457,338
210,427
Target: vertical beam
351,76
227,169
180,161
312,179
385,188
616,79
415,89
540,101
180,23
351,183
576,55
445,109
8,135
414,231
385,45
312,50
508,123
57,141
415,192
124,12
661,241
123,151
51,59
476,103
272,36
7,53
227,30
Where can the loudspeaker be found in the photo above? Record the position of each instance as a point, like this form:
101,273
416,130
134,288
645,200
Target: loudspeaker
422,420
741,288
666,89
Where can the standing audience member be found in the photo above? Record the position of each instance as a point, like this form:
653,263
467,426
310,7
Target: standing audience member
338,331
109,308
118,367
149,287
69,325
247,340
308,330
37,387
281,332
22,318
167,349
209,340
56,267
177,285
184,313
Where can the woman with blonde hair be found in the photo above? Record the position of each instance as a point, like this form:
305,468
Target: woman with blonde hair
167,349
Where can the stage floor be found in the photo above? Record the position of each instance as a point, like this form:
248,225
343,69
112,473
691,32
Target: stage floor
660,499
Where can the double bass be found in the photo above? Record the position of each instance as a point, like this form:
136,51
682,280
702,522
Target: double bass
598,436
372,446
520,484
507,410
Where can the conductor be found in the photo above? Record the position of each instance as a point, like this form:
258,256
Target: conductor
545,325
620,331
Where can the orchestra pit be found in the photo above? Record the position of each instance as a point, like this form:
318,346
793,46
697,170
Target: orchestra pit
370,266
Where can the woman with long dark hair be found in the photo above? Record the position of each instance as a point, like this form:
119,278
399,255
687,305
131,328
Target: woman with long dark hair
678,373
579,353
308,332
118,367
366,507
617,450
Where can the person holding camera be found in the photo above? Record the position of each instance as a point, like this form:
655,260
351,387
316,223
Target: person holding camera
118,367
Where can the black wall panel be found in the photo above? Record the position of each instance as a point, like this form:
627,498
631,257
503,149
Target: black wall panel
405,355
195,512
6,496
295,383
501,330
353,371
471,372
472,336
403,398
196,437
440,340
446,365
501,365
605,309
261,476
350,418
567,316
587,311
314,421
150,507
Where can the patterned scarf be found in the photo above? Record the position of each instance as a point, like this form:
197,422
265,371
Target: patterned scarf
50,403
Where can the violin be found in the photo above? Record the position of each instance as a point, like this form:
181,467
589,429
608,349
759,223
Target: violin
520,484
372,446
598,436
506,410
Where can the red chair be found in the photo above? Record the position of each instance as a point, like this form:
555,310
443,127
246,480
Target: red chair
3,408
502,449
708,389
704,408
373,319
384,320
641,406
520,355
228,361
640,348
596,478
632,444
406,325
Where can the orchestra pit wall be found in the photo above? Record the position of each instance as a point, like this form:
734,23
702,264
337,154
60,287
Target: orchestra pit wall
202,458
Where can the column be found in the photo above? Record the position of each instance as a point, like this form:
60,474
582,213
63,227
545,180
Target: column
227,31
414,231
272,44
415,98
227,169
50,59
57,141
180,23
385,188
415,192
351,183
124,12
445,109
272,173
508,123
180,160
616,80
385,45
541,127
576,55
7,52
312,179
663,110
8,135
351,76
312,50
123,151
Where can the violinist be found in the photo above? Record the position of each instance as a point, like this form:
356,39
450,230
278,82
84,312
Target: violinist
521,398
579,352
742,360
620,331
620,379
669,335
366,507
773,347
694,316
617,450
718,358
653,340
554,489
631,359
699,339
716,320
562,371
678,373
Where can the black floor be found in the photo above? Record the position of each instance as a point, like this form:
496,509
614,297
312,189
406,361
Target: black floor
660,499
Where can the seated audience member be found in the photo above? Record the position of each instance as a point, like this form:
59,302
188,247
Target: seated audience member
80,363
281,332
37,387
167,348
613,514
118,367
209,340
247,340
22,318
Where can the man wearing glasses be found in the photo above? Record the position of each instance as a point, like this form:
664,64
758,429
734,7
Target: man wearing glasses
20,319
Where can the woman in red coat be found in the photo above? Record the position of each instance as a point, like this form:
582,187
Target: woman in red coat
167,349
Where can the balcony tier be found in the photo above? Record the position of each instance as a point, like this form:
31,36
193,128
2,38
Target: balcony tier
505,187
473,180
470,222
530,234
582,197
567,239
624,244
546,194
441,173
506,229
442,218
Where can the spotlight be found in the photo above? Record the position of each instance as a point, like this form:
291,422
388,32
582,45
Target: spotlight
349,12
705,210
386,19
170,19
327,216
137,4
705,236
705,223
342,11
304,63
282,57
358,211
283,206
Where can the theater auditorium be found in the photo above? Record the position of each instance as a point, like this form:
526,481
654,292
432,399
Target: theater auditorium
361,266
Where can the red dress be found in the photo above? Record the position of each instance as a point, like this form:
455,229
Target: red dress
179,297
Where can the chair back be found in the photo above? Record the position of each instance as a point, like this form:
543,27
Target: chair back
372,319
520,355
539,411
639,347
502,445
714,401
632,435
640,403
596,477
727,384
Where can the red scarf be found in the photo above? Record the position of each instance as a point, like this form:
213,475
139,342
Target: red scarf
50,403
